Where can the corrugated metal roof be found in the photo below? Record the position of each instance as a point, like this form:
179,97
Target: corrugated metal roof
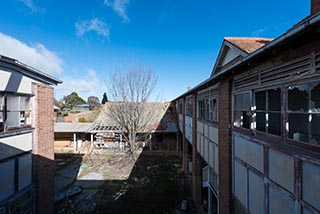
72,127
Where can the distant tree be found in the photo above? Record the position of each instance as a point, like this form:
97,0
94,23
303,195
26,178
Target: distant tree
130,91
57,103
72,100
93,102
104,98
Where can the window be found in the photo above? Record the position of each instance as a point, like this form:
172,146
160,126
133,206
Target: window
268,111
189,106
15,111
1,112
241,110
200,109
180,108
304,113
208,106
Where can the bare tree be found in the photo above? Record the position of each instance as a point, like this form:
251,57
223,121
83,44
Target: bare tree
93,102
130,92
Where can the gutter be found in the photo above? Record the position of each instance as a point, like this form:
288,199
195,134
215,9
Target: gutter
33,72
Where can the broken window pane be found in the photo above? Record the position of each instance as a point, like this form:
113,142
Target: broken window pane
298,98
315,99
242,110
261,121
274,123
315,129
237,119
207,109
298,127
261,100
215,110
274,100
246,119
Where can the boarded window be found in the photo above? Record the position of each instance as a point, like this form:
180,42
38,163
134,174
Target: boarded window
268,111
304,113
241,110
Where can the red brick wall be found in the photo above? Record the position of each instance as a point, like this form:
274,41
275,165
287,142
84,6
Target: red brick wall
315,6
184,140
44,148
196,161
225,154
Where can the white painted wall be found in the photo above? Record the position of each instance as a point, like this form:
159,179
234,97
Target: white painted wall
22,142
281,169
250,152
22,85
230,55
250,179
188,127
311,183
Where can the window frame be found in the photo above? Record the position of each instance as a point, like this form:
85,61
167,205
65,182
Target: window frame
188,106
309,112
266,111
234,110
6,112
206,110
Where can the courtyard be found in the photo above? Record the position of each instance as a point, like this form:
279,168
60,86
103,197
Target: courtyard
113,181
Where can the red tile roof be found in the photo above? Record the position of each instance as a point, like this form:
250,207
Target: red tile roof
248,45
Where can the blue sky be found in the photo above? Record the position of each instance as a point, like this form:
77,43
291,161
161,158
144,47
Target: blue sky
81,42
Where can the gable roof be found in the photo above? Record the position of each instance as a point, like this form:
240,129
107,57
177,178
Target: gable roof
248,44
233,49
162,118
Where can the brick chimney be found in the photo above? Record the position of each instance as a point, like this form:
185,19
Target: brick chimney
315,6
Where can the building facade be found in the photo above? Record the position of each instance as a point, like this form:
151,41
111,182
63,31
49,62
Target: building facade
26,139
251,131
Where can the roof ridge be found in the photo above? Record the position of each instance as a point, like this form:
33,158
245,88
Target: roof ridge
236,37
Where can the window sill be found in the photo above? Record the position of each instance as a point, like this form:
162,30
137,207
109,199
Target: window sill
303,145
243,130
268,136
208,121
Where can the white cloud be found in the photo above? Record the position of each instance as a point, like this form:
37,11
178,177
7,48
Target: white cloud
258,32
120,7
37,56
32,6
101,28
85,86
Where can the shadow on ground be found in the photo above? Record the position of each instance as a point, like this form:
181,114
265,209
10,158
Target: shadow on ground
112,182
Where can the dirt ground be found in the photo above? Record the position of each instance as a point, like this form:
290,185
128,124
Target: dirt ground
109,181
